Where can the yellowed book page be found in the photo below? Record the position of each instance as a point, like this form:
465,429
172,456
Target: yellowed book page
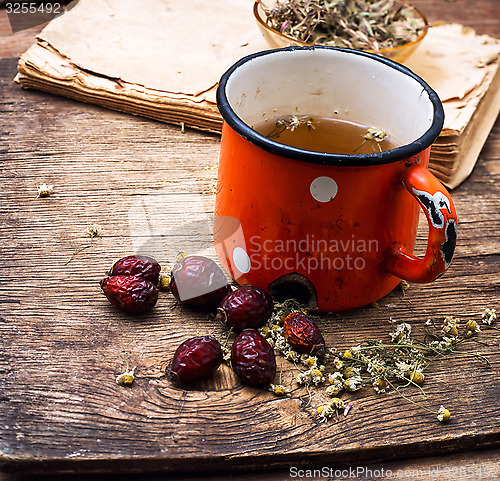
459,65
169,45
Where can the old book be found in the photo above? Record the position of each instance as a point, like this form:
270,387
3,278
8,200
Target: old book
162,59
464,69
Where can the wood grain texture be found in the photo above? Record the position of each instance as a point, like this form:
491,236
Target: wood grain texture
12,45
150,187
481,15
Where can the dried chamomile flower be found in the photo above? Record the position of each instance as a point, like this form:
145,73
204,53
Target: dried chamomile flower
325,412
375,134
376,367
355,351
471,328
313,375
402,334
303,377
443,414
337,404
276,329
379,385
489,316
445,343
353,383
351,372
450,326
127,378
292,356
308,361
279,389
294,122
164,283
402,369
226,354
265,331
333,408
416,376
94,230
334,388
335,378
45,190
283,309
317,376
281,344
338,364
404,286
329,353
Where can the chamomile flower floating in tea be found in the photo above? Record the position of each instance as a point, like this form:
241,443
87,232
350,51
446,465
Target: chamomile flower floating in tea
324,134
359,24
376,136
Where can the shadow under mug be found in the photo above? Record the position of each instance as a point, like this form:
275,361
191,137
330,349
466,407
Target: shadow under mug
334,231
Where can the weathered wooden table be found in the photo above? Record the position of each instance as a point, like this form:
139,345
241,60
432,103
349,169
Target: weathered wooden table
150,187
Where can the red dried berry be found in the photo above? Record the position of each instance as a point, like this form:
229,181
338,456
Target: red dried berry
303,334
137,265
198,281
245,307
130,294
252,359
195,359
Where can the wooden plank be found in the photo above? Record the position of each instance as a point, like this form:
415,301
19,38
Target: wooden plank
150,187
483,17
450,11
12,45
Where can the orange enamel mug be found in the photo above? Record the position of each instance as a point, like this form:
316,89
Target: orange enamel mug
334,231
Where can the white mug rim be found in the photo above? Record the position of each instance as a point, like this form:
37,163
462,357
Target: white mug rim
323,158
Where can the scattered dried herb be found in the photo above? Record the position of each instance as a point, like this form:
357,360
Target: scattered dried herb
394,364
45,190
359,24
126,378
93,231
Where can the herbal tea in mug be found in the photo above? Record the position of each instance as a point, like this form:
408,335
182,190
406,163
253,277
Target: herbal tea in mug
322,201
324,134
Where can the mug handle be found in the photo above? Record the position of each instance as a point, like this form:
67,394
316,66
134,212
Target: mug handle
442,219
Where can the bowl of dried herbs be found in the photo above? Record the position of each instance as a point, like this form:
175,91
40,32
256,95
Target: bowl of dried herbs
386,27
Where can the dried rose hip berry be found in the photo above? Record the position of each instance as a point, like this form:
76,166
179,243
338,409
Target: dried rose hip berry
198,281
252,359
245,307
137,265
195,359
130,294
303,334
